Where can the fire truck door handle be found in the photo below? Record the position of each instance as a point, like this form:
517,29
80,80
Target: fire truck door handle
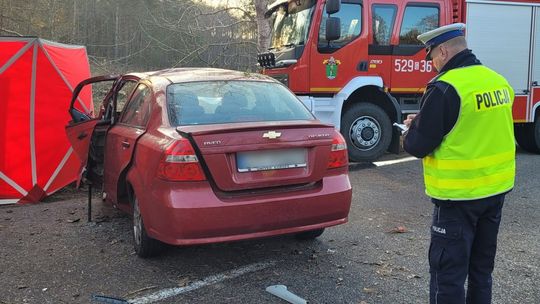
362,66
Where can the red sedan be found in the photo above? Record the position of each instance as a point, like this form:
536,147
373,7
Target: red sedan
208,155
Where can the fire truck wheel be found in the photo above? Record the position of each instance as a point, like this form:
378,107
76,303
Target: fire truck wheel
367,130
528,136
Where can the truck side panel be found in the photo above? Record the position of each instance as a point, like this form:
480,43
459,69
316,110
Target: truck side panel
534,102
504,48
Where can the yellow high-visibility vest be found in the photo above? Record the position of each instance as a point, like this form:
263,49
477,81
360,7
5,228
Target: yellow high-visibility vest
476,159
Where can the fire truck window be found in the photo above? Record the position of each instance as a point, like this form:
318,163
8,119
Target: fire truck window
384,17
418,20
350,15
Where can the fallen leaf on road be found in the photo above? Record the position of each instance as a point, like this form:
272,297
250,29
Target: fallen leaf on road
74,220
369,290
398,229
183,282
137,291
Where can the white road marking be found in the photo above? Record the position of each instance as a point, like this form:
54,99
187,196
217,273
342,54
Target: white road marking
394,161
213,279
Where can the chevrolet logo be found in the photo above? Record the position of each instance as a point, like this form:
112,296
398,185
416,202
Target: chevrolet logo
271,135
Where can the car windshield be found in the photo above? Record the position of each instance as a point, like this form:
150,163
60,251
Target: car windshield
215,102
290,23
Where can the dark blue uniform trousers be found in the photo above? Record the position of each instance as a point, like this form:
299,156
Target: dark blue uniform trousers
463,245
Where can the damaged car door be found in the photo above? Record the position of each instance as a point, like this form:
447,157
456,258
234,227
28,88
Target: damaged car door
80,130
121,141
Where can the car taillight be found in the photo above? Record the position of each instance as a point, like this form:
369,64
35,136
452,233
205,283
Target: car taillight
338,155
179,163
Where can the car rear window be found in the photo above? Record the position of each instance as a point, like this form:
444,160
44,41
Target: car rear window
215,102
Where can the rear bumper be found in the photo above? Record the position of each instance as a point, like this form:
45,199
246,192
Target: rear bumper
195,215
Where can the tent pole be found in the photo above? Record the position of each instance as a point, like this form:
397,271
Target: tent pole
90,202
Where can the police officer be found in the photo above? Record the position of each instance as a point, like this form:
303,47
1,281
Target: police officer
464,134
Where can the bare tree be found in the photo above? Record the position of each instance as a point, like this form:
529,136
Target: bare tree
127,35
263,25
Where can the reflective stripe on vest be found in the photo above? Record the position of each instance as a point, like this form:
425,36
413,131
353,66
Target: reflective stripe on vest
476,159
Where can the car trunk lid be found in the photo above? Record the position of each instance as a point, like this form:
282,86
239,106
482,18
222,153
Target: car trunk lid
242,156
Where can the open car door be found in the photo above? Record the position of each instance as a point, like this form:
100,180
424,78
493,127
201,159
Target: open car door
81,128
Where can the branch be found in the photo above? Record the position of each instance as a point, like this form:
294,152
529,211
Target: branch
10,32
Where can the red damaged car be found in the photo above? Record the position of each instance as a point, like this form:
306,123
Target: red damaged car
201,155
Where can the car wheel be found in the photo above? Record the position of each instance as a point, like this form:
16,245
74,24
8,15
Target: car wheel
528,136
367,130
144,245
309,235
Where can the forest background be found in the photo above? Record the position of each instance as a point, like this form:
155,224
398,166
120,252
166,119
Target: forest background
143,35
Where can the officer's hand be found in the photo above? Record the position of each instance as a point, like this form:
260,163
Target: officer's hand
409,120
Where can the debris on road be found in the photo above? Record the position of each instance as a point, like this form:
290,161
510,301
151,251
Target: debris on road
74,220
369,290
110,300
131,293
281,292
398,229
184,282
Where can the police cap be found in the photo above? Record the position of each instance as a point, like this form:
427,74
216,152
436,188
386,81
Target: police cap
439,35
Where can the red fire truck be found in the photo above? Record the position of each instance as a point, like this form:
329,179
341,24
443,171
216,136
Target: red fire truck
358,65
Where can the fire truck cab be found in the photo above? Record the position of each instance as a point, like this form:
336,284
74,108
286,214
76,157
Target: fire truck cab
358,65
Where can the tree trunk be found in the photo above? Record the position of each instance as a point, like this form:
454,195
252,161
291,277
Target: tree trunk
263,25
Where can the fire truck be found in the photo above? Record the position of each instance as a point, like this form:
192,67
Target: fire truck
358,65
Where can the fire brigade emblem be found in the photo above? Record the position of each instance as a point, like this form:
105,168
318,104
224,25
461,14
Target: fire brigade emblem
331,67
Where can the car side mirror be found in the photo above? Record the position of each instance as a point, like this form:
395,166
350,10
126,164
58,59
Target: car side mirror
333,28
333,6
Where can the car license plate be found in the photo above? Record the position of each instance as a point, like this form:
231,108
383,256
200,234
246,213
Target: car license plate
271,160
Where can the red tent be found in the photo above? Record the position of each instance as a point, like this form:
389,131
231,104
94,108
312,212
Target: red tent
37,78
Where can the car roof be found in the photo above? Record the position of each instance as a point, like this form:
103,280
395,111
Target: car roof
180,75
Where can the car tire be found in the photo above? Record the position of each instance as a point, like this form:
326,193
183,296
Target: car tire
367,130
144,245
309,235
528,136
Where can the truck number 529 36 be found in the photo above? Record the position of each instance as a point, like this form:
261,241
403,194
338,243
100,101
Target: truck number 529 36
409,65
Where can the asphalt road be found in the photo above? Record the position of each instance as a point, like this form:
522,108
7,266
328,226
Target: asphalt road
50,254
